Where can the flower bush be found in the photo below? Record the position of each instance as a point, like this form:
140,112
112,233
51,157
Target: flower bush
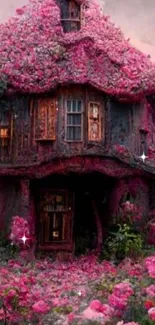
124,242
36,55
20,228
81,291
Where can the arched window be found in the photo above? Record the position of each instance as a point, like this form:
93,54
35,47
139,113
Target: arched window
70,15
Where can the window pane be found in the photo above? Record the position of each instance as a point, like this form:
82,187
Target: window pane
74,102
79,106
73,119
70,133
77,133
74,133
68,105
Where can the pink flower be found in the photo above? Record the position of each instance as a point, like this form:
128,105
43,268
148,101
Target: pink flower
117,302
130,323
41,307
123,289
88,313
55,302
11,293
1,314
151,290
95,305
19,228
71,316
151,313
107,310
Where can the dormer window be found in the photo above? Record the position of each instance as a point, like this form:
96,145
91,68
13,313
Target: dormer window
70,16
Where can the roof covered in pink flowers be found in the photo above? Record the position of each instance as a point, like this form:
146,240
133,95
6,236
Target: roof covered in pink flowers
36,55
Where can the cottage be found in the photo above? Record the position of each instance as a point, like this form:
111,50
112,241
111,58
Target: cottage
77,112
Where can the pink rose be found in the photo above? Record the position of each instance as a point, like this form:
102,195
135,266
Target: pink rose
41,307
151,313
96,305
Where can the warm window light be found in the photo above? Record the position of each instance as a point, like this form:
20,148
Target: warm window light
3,133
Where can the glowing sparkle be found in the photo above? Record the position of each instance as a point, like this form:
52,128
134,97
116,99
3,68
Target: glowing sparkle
79,293
143,157
24,239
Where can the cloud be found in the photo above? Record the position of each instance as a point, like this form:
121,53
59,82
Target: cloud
135,17
9,7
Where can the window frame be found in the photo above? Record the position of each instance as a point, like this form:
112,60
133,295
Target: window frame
74,113
70,19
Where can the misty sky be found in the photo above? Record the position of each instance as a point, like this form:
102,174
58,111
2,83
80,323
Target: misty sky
135,17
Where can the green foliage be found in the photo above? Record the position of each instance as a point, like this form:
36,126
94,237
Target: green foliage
124,242
137,311
63,310
8,250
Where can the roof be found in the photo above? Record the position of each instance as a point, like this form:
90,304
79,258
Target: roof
36,55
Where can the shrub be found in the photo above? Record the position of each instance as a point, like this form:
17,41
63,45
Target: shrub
124,242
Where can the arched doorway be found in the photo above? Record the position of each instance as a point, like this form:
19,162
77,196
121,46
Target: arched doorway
70,208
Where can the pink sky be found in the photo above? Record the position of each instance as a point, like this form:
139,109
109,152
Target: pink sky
135,17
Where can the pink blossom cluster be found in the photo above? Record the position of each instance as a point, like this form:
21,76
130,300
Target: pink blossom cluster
20,228
151,313
31,285
130,211
151,290
120,296
36,55
132,269
105,309
150,265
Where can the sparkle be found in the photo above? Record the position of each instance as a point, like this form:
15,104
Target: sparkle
143,157
24,239
79,293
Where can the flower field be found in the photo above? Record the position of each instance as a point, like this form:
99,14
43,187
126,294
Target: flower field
81,290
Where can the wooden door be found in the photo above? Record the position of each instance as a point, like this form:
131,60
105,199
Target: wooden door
56,220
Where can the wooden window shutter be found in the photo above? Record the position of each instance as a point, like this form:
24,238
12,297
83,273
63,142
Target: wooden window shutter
94,122
46,119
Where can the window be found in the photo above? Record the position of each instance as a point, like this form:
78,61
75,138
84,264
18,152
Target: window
94,122
46,119
74,123
70,14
